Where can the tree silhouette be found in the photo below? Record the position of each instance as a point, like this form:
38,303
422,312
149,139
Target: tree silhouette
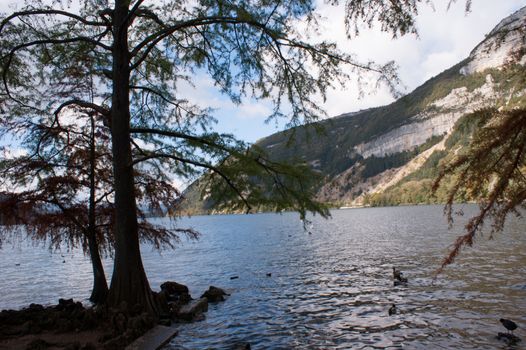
137,55
61,179
68,195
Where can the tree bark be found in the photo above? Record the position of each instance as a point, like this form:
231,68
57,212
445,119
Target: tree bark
100,286
129,284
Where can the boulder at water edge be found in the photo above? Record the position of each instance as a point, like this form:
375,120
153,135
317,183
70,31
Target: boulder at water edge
176,292
214,294
193,310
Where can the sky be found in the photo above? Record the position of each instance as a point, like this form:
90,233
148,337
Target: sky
445,38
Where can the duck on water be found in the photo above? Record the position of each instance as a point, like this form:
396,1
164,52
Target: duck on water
398,277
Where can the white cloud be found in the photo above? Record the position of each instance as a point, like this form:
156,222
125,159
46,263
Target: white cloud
436,62
253,110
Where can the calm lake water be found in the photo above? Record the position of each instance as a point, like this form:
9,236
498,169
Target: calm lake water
330,289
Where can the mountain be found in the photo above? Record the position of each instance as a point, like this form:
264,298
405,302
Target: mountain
390,154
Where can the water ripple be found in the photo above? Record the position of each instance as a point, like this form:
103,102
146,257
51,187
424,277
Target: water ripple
329,290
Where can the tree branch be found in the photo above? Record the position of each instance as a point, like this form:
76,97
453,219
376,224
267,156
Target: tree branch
202,165
83,104
132,12
155,92
152,40
66,212
49,12
14,50
55,41
180,135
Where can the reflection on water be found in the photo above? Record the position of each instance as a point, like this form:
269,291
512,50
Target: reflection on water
329,290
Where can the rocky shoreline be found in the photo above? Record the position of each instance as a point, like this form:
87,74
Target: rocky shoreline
70,325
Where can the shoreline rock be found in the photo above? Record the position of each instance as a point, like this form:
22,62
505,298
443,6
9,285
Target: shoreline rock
194,310
214,294
70,325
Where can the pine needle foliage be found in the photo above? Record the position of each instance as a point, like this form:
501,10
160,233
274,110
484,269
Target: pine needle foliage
491,170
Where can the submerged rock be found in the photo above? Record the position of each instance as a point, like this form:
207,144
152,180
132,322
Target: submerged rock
214,294
193,310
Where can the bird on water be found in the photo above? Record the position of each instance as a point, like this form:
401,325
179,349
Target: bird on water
508,324
392,310
397,274
398,277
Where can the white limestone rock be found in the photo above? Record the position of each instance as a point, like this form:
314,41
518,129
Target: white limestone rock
505,44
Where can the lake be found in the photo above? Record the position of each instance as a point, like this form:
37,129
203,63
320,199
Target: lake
330,287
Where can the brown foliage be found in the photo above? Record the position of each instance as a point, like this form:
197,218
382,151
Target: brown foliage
69,177
491,170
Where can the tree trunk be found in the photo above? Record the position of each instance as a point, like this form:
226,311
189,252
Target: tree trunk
100,286
129,283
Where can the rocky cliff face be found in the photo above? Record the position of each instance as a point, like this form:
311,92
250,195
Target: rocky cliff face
437,119
502,45
505,44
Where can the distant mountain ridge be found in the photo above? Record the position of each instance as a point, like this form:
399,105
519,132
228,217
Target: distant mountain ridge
389,154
